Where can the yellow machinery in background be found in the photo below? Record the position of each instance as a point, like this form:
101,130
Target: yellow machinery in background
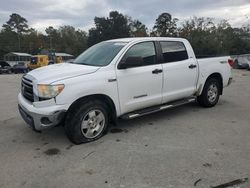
38,61
43,60
58,59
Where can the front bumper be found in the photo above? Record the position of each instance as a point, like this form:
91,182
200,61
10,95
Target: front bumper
39,118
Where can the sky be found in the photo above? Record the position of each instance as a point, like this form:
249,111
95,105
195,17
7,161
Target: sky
80,13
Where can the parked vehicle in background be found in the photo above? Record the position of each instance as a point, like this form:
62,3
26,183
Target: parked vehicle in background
43,60
19,68
5,67
38,61
56,59
241,61
122,78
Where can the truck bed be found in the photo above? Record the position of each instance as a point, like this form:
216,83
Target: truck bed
215,65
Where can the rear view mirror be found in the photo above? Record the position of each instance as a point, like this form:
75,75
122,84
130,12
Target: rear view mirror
133,61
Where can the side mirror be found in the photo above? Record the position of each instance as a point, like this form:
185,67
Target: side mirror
133,61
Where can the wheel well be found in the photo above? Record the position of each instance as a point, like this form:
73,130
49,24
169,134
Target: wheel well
219,78
103,98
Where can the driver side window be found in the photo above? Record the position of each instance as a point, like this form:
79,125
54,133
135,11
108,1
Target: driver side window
146,50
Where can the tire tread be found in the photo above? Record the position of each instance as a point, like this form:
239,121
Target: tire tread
74,117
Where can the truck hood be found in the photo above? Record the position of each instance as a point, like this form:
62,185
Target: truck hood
53,73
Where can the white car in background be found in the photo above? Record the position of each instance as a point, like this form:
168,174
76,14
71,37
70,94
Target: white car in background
241,61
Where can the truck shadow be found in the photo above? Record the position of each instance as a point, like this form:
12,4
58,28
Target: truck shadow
57,135
164,115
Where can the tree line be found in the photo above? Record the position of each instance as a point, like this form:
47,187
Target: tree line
207,37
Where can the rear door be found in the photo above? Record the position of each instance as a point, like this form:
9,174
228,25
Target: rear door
180,71
140,87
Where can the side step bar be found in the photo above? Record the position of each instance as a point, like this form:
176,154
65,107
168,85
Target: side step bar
158,108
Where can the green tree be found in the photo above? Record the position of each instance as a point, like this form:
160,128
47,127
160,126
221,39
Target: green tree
34,41
137,29
209,39
165,26
53,36
206,37
18,24
8,42
114,26
199,32
66,39
239,41
72,41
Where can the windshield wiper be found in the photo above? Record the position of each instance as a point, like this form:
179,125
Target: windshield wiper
72,62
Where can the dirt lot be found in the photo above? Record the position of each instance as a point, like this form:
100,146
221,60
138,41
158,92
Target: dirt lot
188,146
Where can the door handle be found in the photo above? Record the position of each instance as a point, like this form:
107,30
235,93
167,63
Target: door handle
157,71
192,66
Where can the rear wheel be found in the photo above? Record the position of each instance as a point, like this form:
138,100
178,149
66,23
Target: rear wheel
210,94
86,121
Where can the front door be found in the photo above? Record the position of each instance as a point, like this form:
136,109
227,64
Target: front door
140,87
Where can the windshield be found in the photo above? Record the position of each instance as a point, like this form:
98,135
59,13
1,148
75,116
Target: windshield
33,60
100,54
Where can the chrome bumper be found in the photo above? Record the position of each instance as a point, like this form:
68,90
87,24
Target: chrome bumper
40,118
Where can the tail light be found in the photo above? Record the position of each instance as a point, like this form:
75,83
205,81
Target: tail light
230,62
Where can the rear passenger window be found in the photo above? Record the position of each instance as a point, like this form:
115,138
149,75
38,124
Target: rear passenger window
173,51
146,50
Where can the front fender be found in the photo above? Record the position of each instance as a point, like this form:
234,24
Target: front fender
91,84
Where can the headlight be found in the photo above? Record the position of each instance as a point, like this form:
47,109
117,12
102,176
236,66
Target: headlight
49,91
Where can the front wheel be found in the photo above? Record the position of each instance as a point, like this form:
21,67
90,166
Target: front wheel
86,121
210,94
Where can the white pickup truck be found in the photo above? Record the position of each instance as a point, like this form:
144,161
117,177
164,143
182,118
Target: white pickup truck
121,78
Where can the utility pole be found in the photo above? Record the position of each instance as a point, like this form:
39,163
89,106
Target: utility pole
50,42
19,43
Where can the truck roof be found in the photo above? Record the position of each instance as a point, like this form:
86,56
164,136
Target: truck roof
137,39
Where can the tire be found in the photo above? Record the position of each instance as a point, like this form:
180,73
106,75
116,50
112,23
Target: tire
210,94
81,123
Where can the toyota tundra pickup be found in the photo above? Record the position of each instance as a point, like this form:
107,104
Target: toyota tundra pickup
121,78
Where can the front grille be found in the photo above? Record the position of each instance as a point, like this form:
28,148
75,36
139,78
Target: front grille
27,89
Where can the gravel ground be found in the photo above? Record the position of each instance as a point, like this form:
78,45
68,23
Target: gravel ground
188,146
